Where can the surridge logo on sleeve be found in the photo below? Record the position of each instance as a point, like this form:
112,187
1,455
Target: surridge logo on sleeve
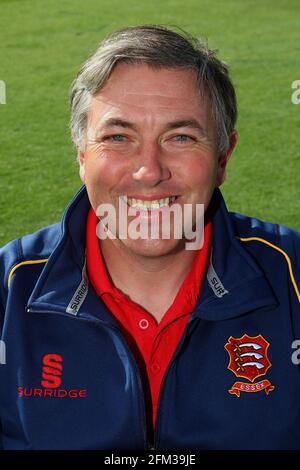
51,381
248,358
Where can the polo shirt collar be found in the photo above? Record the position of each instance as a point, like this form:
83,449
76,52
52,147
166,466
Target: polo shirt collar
186,296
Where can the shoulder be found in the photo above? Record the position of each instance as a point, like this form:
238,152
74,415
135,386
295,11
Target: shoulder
275,247
32,248
250,229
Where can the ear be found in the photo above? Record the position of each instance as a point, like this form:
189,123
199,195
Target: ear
223,159
81,161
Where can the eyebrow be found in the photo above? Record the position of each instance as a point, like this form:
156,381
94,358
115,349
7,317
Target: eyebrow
190,123
118,122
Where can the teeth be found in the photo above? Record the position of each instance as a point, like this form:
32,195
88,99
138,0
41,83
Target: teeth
150,205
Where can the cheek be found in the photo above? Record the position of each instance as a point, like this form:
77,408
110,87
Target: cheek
98,170
105,177
200,173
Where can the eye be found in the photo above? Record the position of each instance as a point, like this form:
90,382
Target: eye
113,138
117,138
183,138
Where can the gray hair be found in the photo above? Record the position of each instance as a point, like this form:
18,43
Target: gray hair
158,47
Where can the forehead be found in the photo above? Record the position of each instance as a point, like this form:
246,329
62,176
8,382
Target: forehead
143,90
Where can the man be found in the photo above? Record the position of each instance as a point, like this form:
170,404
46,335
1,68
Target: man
127,342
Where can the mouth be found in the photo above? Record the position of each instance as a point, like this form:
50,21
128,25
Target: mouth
153,204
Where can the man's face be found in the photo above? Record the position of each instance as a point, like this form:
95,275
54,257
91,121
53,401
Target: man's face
150,136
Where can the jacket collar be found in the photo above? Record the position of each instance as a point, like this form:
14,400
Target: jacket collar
234,285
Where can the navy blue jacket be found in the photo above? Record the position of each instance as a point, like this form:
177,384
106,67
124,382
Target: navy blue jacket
71,382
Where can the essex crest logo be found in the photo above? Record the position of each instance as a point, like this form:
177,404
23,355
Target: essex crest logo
248,359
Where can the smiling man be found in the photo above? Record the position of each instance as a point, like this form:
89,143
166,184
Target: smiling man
122,341
154,144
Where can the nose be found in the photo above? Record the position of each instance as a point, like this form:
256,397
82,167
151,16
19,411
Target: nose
151,168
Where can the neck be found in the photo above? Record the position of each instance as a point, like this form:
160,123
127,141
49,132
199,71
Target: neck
140,276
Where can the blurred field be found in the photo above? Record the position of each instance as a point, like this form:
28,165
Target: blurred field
43,43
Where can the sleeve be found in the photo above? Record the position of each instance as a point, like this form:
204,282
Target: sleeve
8,257
290,243
2,344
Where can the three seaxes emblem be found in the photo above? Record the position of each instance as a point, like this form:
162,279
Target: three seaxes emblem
248,358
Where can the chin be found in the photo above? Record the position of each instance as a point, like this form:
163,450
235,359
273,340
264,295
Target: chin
154,248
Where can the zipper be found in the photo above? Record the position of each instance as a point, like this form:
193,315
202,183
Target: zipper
176,352
131,357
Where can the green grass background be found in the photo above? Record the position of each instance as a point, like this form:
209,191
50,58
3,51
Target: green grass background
43,43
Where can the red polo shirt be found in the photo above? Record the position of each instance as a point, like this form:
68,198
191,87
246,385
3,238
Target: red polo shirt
151,343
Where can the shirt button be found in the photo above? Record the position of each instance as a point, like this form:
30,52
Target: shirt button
155,368
143,324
